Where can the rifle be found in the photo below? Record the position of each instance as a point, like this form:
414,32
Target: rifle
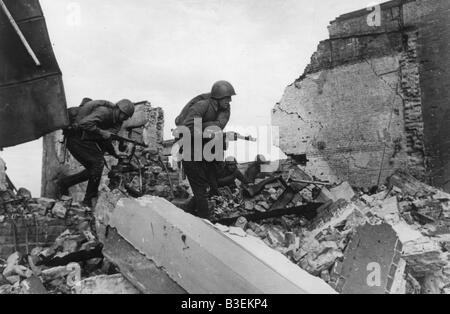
234,136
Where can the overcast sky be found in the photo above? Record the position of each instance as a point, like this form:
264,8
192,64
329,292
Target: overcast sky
168,51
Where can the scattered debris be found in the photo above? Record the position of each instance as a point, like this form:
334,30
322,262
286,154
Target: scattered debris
113,284
403,228
337,233
370,262
48,246
343,191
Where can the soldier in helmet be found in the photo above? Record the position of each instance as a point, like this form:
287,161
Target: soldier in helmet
227,173
214,110
89,137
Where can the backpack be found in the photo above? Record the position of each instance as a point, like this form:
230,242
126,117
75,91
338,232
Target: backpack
186,108
76,114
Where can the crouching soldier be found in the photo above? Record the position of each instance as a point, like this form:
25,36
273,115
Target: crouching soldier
214,110
88,138
227,173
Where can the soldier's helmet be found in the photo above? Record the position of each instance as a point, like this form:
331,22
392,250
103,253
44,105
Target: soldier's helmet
222,89
127,107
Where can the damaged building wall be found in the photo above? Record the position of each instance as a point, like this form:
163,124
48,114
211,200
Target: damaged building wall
146,125
362,108
2,175
432,18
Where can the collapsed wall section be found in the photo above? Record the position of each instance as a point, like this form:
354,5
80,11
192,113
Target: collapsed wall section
364,106
432,19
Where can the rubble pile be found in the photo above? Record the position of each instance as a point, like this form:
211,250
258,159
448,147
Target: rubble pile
144,173
270,191
48,246
232,202
418,214
324,229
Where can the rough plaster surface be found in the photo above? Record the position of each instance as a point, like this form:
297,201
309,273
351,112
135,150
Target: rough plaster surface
415,32
345,119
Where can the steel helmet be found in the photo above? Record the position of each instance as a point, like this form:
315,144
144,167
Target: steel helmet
126,106
222,89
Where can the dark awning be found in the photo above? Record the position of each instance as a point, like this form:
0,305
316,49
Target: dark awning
32,99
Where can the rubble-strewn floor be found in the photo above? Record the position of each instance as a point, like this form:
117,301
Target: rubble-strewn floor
417,213
53,247
327,231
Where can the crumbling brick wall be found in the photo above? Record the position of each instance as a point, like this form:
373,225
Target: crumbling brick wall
146,125
368,103
412,106
24,234
432,20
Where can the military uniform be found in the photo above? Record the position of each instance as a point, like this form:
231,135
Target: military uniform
227,173
202,174
85,141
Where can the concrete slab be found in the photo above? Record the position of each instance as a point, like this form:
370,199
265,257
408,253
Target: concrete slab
370,261
139,270
386,208
33,285
343,191
325,196
276,260
399,284
335,218
200,258
425,256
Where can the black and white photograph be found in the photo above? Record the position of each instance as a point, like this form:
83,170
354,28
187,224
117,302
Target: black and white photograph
226,153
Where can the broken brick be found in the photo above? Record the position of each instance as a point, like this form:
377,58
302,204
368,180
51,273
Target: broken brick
343,191
33,285
59,210
104,284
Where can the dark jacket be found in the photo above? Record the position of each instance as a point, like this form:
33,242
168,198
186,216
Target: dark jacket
227,174
92,118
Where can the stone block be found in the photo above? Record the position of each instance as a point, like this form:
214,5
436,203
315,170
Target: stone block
343,191
368,266
174,239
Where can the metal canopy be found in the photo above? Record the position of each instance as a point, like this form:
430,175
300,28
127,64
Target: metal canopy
32,99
